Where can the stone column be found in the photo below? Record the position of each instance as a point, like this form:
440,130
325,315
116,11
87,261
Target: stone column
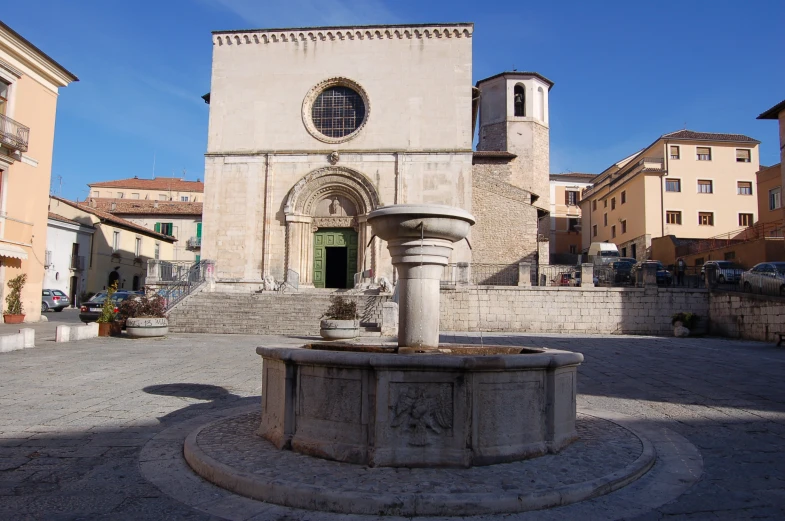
153,273
524,274
710,272
587,275
650,275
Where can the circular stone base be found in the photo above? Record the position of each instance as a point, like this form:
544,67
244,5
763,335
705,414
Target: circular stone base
606,457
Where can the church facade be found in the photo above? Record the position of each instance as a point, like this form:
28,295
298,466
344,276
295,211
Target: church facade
311,129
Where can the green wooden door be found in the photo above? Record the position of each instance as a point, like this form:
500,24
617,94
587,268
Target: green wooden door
334,238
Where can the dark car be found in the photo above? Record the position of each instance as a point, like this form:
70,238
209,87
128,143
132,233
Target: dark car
664,277
622,272
53,299
91,310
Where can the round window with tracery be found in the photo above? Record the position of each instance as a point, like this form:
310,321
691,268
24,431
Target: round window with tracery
335,110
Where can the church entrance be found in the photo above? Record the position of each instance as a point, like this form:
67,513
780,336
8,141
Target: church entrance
334,258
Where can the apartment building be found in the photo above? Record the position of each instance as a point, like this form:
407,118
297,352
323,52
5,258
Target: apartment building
29,85
777,113
769,182
687,184
157,189
67,246
120,248
565,236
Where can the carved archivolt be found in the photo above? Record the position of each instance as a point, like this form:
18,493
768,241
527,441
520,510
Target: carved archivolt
357,33
332,181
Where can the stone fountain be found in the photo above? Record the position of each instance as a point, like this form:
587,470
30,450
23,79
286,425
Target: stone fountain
422,404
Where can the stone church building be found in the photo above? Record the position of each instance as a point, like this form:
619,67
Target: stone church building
313,128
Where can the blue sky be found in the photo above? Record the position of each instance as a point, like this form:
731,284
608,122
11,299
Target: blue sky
625,72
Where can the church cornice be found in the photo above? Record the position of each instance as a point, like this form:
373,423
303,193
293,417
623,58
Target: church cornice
362,32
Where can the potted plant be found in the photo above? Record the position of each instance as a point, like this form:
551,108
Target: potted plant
683,322
14,313
144,317
106,322
340,321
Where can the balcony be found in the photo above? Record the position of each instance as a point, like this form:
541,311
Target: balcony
77,262
193,244
13,135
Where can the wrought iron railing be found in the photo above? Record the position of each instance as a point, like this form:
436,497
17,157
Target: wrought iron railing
13,134
194,243
173,291
77,262
555,275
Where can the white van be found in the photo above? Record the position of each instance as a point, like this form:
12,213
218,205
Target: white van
603,253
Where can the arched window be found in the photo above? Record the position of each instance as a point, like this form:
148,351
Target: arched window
519,98
541,102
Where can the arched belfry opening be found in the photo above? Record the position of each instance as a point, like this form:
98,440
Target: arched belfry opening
326,228
519,101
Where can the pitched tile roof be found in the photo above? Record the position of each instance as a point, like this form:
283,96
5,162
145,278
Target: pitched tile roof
576,176
174,184
773,112
142,207
708,136
113,219
56,217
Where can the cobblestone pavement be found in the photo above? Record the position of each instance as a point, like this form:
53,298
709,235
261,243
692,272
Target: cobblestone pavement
73,417
45,331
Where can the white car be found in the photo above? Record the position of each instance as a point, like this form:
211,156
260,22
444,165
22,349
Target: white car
766,277
726,271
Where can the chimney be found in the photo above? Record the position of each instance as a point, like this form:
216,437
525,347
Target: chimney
155,204
114,206
92,203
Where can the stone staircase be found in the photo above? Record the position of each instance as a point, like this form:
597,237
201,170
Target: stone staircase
266,313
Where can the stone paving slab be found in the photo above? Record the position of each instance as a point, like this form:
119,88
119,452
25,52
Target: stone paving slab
726,397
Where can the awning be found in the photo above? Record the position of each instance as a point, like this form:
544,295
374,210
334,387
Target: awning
15,252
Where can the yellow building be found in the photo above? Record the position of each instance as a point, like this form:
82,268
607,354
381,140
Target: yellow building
157,189
686,184
119,250
565,237
29,83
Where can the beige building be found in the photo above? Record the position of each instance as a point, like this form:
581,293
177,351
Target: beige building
769,183
181,220
686,184
777,112
119,249
565,214
29,83
311,129
157,189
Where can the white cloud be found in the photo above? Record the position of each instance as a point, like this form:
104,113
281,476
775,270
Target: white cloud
298,13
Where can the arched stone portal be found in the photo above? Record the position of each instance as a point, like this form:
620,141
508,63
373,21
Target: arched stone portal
331,197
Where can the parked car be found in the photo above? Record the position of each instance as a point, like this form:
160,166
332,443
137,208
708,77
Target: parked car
664,277
632,261
622,271
766,277
726,271
91,310
54,299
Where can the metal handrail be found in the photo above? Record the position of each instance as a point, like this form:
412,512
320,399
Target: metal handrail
13,134
188,281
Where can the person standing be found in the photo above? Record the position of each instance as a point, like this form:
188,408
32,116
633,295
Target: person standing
681,267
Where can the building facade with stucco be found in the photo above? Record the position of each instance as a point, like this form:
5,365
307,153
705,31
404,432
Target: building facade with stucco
311,129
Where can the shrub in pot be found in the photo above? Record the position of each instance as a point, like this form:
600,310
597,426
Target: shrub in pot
144,317
107,326
14,313
340,321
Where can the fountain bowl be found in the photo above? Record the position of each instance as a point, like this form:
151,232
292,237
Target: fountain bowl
413,221
461,406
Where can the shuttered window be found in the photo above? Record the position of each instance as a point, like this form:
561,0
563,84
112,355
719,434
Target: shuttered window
745,219
571,198
744,187
703,153
675,152
705,186
742,155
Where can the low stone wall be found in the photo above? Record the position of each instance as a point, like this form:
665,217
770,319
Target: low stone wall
71,333
644,311
743,315
25,338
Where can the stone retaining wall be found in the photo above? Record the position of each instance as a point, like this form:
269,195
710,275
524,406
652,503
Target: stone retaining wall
743,315
645,311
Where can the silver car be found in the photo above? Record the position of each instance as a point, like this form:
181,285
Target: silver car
54,299
766,277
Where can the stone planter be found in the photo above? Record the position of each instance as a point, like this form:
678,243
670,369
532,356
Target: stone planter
13,319
110,329
339,329
146,327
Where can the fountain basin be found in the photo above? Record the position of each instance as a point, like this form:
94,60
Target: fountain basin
413,221
464,408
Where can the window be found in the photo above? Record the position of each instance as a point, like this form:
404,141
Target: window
116,241
138,250
605,219
572,223
3,96
571,198
613,203
675,152
706,218
703,153
573,249
673,185
338,111
134,196
605,203
745,219
624,252
594,205
744,188
184,198
519,99
613,231
775,198
120,195
624,197
157,253
96,193
705,187
594,231
673,217
624,226
165,228
742,155
730,255
699,261
634,251
162,197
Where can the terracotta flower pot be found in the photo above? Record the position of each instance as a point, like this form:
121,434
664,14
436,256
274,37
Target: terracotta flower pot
110,329
13,319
